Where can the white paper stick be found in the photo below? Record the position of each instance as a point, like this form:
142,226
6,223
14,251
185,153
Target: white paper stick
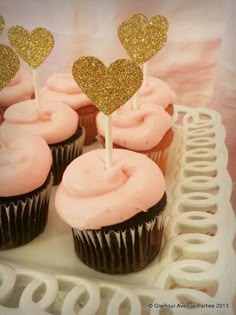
108,141
36,89
145,74
135,101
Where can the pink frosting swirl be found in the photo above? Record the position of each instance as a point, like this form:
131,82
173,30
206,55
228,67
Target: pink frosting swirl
140,129
25,162
91,197
157,92
62,87
19,89
55,122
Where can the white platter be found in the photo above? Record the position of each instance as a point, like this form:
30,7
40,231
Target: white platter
195,270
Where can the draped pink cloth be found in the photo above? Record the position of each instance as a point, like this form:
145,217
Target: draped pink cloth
198,62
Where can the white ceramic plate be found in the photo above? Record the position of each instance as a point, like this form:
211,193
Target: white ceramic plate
195,269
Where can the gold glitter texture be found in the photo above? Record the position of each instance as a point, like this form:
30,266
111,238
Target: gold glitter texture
107,87
32,47
2,24
9,65
143,38
9,61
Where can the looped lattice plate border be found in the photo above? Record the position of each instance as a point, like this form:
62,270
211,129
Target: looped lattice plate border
195,271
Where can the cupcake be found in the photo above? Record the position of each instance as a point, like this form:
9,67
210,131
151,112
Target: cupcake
62,87
146,130
19,89
157,92
117,215
57,123
25,183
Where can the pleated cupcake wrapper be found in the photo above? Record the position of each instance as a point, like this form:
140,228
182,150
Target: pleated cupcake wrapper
1,115
88,121
123,251
64,154
160,158
22,221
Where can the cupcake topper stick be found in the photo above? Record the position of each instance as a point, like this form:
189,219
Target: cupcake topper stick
142,39
108,141
9,61
145,73
135,97
36,88
108,88
135,101
32,47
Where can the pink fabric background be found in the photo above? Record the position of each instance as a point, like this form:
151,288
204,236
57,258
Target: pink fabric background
198,62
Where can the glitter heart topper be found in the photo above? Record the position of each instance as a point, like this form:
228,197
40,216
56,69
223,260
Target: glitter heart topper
108,87
1,24
9,65
32,47
9,61
143,38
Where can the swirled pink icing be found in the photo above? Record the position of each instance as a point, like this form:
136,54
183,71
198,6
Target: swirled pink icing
62,87
140,129
25,162
55,121
157,92
19,89
90,197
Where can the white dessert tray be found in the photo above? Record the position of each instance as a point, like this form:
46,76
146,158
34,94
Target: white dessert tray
195,272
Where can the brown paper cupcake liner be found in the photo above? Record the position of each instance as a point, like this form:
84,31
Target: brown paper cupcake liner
65,152
170,109
120,251
160,158
23,218
1,115
87,119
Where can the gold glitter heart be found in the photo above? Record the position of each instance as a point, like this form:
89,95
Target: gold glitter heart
2,24
32,47
9,65
108,87
143,38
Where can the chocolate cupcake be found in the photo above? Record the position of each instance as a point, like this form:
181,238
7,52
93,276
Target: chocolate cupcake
57,123
145,130
117,216
61,87
25,184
